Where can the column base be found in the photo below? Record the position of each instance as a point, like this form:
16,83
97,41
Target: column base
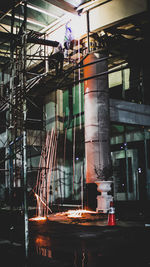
103,203
91,194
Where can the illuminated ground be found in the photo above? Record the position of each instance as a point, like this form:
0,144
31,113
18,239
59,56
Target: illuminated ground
81,217
85,218
86,241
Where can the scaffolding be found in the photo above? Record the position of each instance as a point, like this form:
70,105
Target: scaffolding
14,97
13,101
24,80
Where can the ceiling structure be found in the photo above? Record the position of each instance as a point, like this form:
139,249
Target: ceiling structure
43,14
129,37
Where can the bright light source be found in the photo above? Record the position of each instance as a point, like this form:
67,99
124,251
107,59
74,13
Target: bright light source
38,218
78,2
78,213
78,26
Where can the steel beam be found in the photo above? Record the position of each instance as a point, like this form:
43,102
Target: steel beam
7,36
63,5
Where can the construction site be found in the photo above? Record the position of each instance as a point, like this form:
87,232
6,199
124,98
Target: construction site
74,130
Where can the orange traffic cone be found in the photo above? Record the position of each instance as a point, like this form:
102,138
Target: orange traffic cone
111,215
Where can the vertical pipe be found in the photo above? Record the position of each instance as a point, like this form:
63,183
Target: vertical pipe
10,112
48,171
123,84
79,89
82,196
74,142
146,165
7,179
127,165
11,175
46,202
25,185
55,159
23,83
51,160
65,160
46,55
88,30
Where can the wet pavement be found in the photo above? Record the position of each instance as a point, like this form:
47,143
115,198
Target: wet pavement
76,242
76,245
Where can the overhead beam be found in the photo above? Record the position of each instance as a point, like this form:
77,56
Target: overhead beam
132,32
63,5
7,36
91,4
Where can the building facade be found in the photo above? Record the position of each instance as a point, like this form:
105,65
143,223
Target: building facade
59,111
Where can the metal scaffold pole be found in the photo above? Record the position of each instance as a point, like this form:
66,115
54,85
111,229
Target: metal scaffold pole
9,114
24,45
25,185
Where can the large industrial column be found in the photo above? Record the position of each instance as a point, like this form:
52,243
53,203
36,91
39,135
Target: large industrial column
97,140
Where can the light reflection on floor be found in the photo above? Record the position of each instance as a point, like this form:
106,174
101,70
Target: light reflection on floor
75,255
80,242
43,246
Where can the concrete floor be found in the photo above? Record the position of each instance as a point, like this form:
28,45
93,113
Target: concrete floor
75,242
